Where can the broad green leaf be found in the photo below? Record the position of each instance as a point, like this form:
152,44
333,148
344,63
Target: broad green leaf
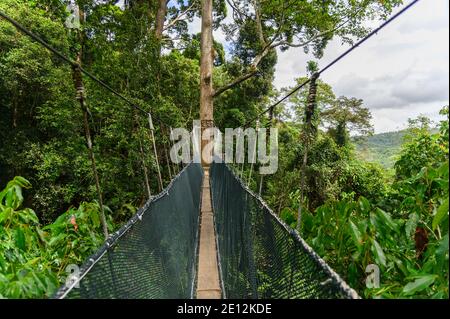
41,234
386,218
55,240
22,182
379,253
17,197
441,213
419,284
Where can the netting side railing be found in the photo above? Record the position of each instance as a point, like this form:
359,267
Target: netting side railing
154,255
260,256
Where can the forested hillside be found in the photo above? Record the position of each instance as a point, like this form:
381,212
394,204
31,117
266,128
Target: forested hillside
77,161
383,148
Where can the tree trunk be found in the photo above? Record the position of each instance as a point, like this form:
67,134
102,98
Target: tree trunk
206,69
79,86
310,131
160,19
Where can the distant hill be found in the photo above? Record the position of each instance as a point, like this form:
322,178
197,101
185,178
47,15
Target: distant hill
380,148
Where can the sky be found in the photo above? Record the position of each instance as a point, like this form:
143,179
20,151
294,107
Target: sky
400,73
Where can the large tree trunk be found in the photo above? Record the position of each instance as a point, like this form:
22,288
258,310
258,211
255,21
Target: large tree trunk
206,69
160,19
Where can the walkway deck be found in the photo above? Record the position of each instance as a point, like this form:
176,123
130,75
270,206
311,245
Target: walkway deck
208,284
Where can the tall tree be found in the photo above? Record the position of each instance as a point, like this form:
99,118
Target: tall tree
348,115
206,73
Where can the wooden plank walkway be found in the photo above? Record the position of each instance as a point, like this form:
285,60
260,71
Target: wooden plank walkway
208,284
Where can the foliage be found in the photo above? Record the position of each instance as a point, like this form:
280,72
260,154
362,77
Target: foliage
33,259
409,243
424,148
347,115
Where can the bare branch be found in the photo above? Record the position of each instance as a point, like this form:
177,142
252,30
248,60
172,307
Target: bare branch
236,9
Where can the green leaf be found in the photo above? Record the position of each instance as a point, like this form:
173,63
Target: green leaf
386,219
441,213
20,239
364,204
41,234
443,170
22,182
379,253
443,246
419,284
356,235
6,214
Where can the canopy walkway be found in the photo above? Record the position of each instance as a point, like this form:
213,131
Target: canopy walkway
155,255
206,235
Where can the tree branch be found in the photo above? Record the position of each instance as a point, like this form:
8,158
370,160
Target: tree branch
253,70
259,26
235,82
236,9
317,36
180,16
270,46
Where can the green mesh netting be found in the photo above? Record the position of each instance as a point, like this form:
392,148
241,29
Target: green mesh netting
154,255
260,257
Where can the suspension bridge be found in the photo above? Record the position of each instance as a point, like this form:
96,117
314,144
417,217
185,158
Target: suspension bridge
206,235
